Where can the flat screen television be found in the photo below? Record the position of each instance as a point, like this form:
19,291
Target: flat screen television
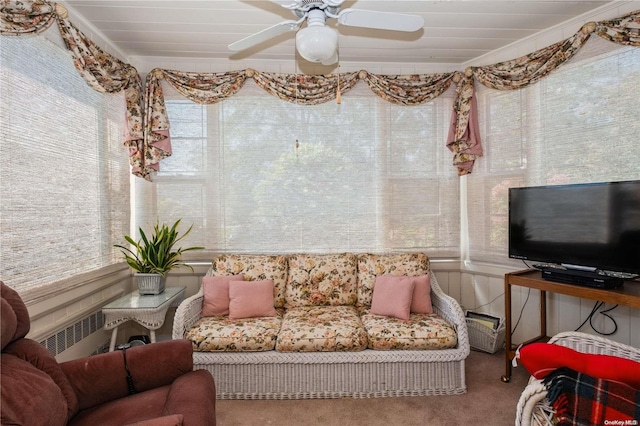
593,226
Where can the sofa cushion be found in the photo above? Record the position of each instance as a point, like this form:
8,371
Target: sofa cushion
421,331
254,267
222,334
251,299
372,265
321,280
321,329
392,296
216,294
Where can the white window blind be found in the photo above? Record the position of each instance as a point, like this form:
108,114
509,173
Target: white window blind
64,189
366,175
578,125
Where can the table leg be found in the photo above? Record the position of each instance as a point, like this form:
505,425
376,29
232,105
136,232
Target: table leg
114,335
543,313
507,335
152,336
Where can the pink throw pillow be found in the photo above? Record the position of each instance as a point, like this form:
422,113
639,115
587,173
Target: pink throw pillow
421,301
216,294
251,299
392,296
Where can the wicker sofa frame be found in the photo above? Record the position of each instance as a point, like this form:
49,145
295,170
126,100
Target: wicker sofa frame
533,406
314,375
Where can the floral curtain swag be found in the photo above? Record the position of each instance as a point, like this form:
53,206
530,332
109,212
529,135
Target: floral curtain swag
148,136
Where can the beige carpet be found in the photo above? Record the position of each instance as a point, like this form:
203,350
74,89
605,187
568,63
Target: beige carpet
488,402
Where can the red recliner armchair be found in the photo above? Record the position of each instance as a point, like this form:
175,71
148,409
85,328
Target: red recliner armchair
145,385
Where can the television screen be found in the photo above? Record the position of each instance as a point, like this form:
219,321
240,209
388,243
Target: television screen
593,225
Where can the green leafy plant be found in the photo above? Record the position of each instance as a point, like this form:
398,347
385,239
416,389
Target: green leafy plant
156,254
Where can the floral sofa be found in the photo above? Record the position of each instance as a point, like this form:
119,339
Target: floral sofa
325,326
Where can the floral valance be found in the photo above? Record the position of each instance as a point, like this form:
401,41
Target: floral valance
149,141
304,89
412,89
206,88
619,30
526,70
19,17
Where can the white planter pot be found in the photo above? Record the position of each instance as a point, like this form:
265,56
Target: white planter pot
150,283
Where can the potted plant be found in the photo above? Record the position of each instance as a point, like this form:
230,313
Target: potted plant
153,257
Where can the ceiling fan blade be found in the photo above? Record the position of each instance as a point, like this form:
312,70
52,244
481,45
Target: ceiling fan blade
264,35
380,20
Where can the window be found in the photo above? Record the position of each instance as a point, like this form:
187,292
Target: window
256,174
579,124
64,191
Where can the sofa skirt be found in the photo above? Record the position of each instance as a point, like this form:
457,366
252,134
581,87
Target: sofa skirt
364,374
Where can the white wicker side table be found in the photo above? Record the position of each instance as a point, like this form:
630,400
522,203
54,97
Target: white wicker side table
148,310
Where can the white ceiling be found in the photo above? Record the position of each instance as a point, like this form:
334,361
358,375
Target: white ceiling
454,32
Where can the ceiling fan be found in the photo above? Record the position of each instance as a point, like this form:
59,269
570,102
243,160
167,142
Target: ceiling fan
318,42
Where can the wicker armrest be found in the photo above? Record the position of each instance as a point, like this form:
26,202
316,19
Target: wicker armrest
591,344
533,406
187,313
449,309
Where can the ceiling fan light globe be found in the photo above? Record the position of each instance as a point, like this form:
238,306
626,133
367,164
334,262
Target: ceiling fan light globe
317,43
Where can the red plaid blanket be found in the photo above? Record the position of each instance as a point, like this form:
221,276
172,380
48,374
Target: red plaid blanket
583,400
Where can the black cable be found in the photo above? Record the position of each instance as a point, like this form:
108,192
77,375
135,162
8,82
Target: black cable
590,317
488,303
130,386
522,311
615,324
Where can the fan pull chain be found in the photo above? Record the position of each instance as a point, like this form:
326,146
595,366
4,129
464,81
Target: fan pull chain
297,107
338,96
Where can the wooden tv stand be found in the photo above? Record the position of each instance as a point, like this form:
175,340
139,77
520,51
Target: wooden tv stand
627,295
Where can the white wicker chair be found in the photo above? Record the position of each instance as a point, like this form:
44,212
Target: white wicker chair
533,407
